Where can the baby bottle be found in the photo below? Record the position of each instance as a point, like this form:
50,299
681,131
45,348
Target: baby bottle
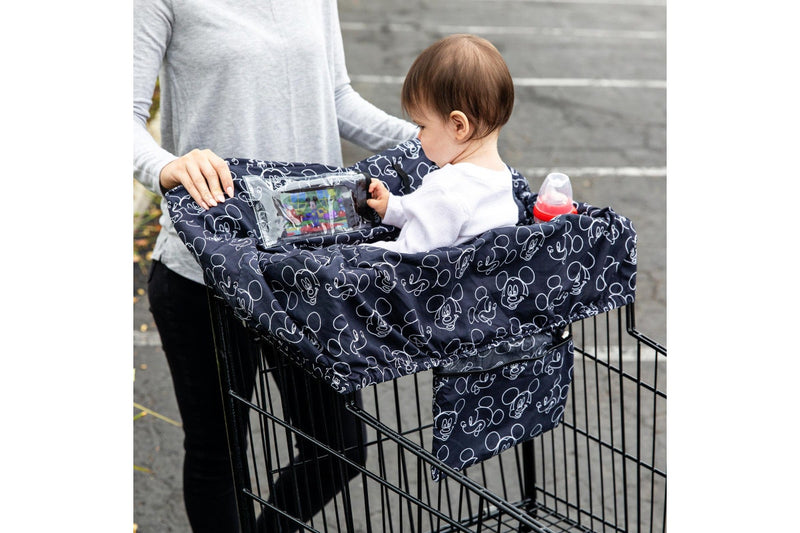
555,198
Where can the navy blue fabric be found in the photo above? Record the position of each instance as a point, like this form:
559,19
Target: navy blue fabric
505,395
358,315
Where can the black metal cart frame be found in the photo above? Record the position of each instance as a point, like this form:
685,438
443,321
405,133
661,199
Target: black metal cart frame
603,468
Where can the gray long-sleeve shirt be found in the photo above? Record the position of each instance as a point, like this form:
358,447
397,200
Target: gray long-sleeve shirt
245,78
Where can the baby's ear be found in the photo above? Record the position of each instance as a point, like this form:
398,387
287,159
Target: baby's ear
461,125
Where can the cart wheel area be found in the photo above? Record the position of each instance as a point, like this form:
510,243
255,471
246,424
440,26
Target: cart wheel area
602,468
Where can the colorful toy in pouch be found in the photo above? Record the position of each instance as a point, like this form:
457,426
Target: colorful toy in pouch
295,207
320,210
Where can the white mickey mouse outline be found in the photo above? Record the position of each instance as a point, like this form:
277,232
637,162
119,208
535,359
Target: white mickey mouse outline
569,243
446,310
484,415
514,289
484,310
346,283
375,317
501,253
497,443
518,400
555,395
444,422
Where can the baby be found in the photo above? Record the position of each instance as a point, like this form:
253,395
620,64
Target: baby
459,92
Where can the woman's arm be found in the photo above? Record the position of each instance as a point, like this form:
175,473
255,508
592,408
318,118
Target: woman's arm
367,126
202,172
360,122
152,28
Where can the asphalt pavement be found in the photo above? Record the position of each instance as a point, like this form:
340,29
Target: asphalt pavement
591,102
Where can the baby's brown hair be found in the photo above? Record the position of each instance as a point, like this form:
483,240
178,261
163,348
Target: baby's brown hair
461,73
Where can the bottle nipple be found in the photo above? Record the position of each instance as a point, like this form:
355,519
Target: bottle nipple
554,198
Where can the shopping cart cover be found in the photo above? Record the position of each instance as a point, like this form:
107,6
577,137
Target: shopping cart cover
506,395
356,315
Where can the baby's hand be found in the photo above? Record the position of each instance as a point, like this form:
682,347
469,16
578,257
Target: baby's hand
380,197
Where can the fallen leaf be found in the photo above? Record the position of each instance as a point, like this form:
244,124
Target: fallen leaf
143,328
157,415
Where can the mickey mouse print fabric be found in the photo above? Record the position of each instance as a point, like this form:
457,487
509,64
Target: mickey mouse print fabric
505,395
357,315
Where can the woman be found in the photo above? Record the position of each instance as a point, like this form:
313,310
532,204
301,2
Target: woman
256,79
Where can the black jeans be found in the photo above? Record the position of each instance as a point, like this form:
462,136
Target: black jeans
180,309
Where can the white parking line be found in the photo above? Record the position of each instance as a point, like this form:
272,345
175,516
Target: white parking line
597,172
649,3
536,82
146,338
590,82
629,355
508,30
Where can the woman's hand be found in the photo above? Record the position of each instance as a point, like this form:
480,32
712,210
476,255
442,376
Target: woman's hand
204,175
380,197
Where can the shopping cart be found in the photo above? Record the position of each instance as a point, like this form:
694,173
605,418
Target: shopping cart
497,385
603,468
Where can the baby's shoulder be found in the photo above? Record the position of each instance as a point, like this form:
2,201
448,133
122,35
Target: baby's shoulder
462,176
453,173
441,177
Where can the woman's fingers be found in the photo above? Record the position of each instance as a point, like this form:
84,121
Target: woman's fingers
199,179
204,175
224,173
195,194
217,174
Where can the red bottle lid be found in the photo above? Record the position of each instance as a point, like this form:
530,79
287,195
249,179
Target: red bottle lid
545,213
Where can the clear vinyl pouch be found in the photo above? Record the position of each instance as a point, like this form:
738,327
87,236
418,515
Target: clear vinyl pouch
292,208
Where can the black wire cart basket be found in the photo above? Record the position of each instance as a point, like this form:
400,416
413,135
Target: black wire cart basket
496,385
602,468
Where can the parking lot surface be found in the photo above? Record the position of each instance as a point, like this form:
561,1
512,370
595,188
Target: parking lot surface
590,101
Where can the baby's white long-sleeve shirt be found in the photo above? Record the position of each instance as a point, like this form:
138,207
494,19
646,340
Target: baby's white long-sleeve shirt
454,204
